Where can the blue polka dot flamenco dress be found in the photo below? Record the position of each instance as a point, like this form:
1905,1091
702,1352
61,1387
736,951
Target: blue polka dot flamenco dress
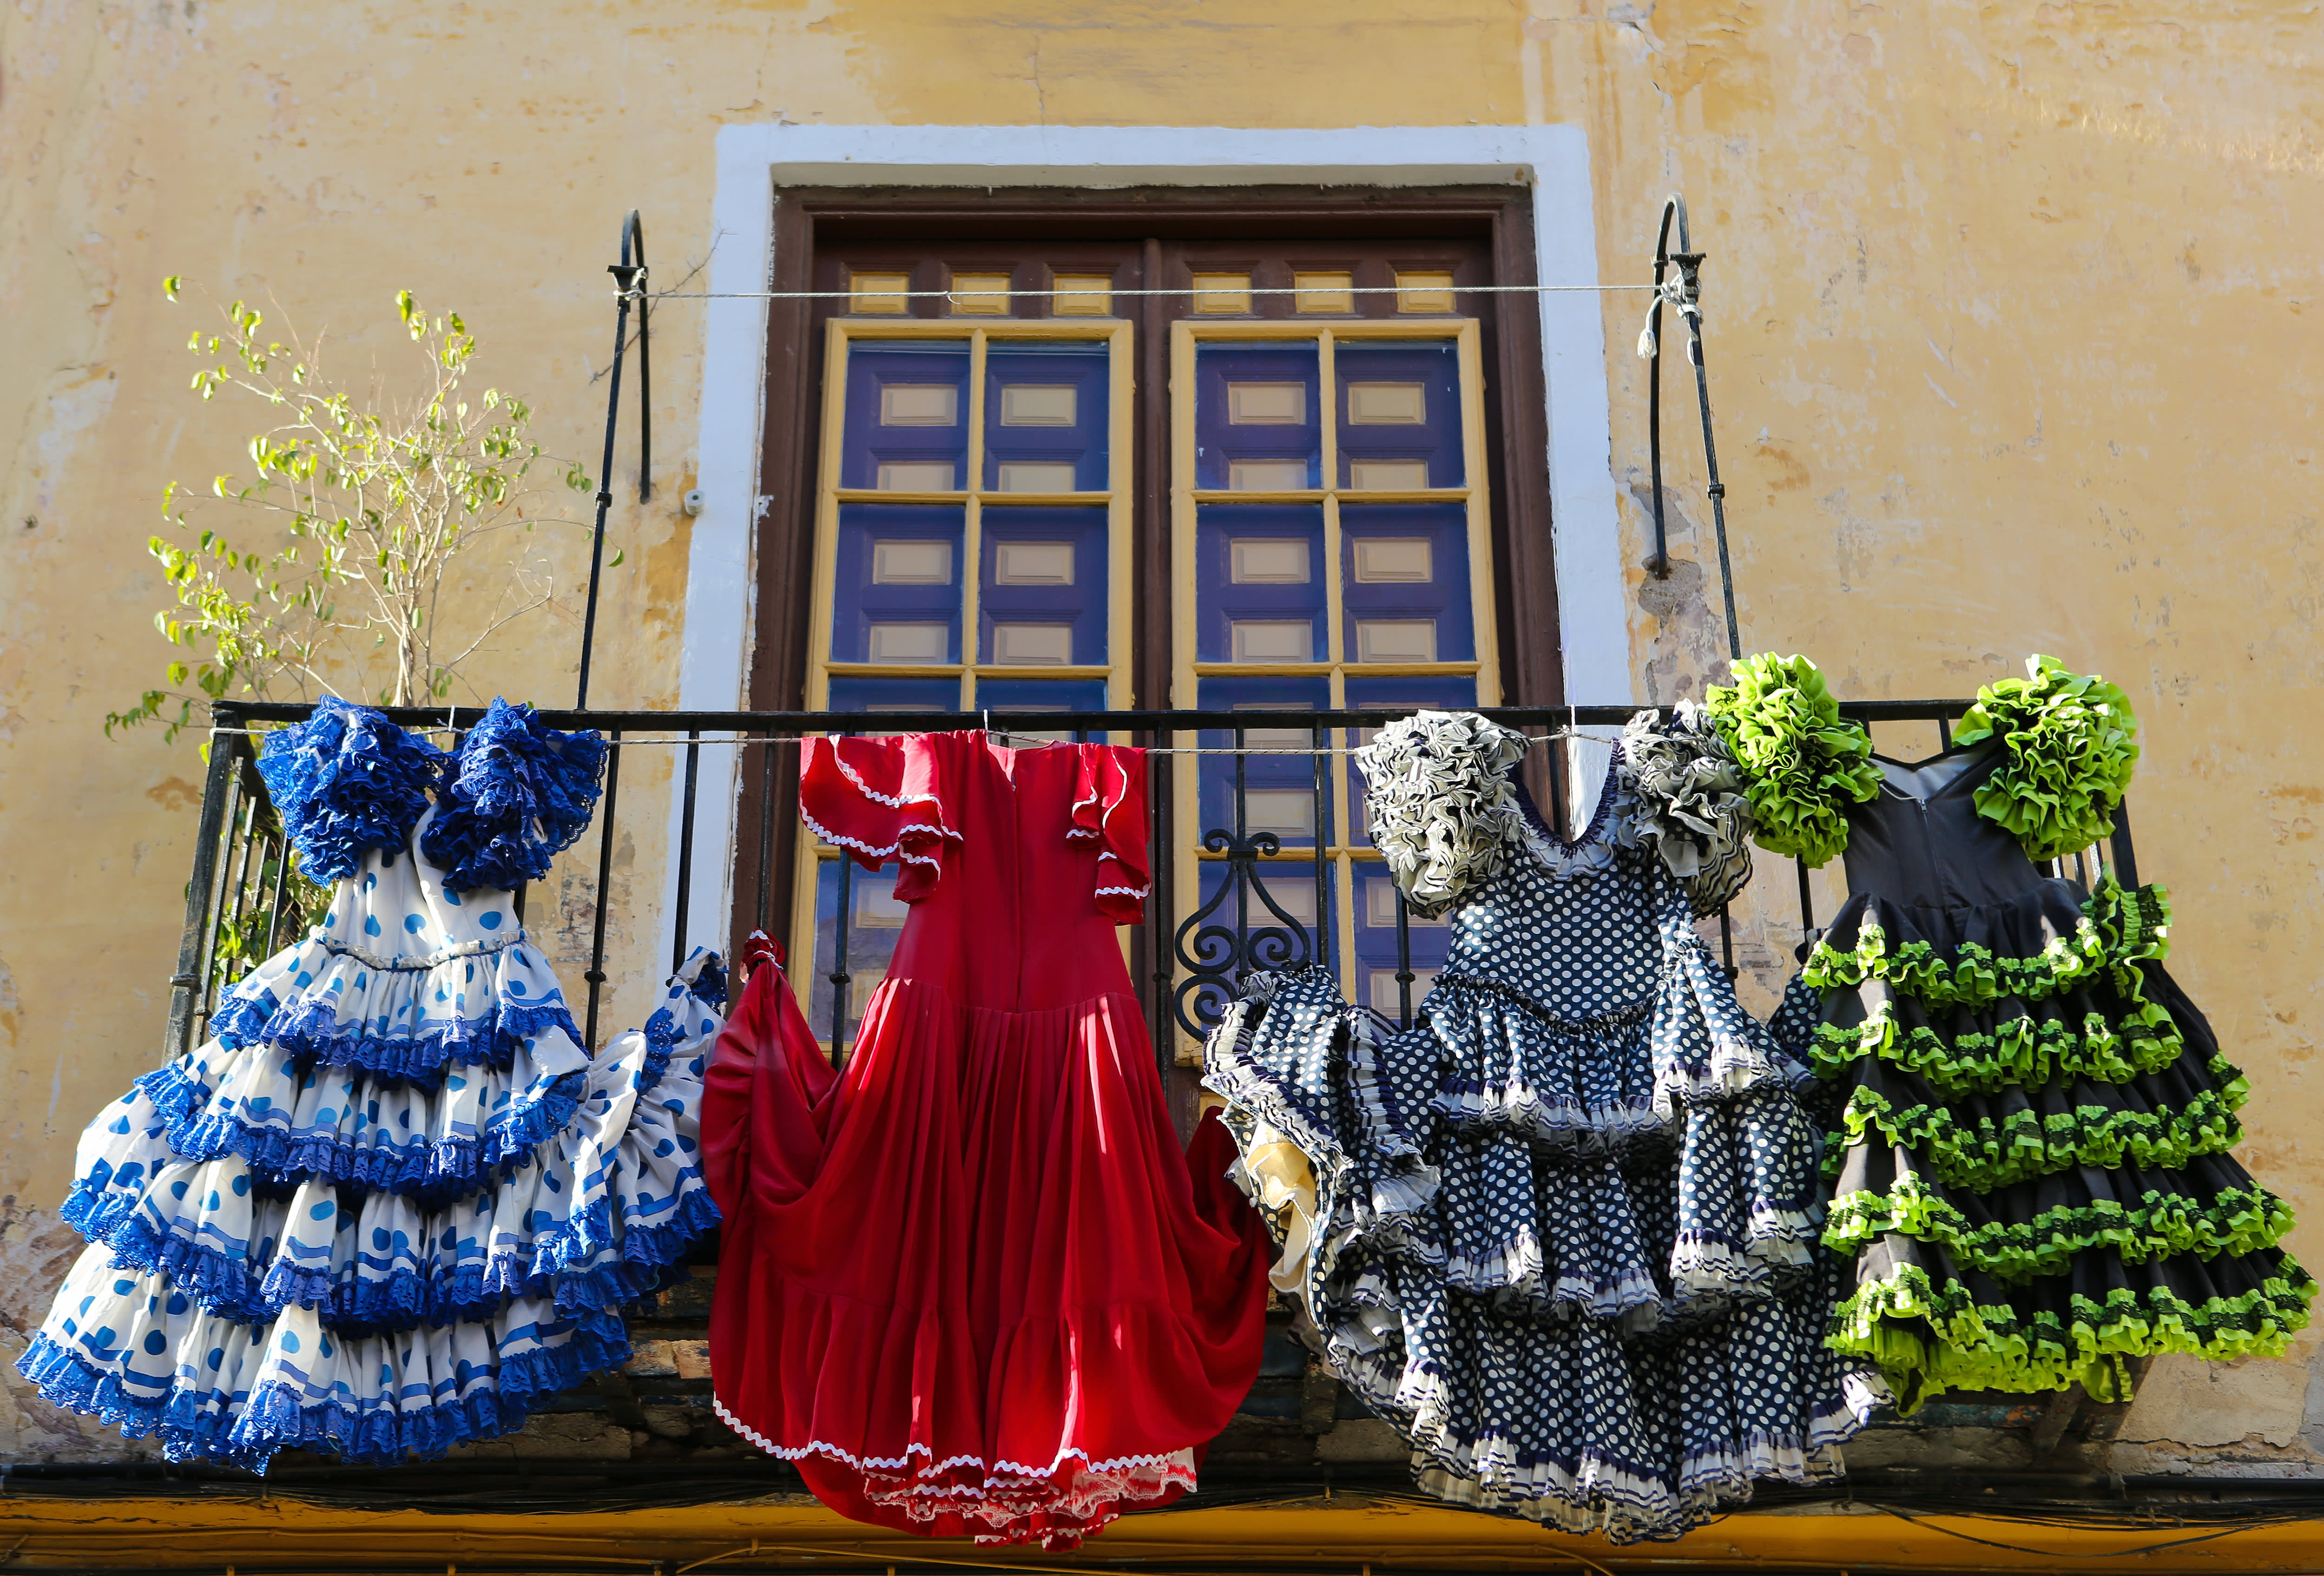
393,1203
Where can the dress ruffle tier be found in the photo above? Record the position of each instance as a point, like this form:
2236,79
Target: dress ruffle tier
402,1224
1562,1233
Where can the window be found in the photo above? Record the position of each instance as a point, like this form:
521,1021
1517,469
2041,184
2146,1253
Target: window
1000,474
1329,507
972,521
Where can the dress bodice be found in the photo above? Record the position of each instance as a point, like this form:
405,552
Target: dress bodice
1018,863
1555,906
1921,843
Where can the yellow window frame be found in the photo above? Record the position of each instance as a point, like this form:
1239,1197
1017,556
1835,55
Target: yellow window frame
840,334
1185,499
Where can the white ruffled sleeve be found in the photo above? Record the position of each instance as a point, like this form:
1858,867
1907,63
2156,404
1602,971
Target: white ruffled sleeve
1441,808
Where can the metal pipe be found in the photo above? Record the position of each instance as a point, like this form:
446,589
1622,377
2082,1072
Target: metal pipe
783,725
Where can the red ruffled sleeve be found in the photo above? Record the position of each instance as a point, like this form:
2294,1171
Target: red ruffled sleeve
881,799
1109,806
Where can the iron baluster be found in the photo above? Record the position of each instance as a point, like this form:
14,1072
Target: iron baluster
1241,827
2125,858
767,835
1157,885
682,929
1404,974
279,847
209,838
237,886
1321,762
205,994
596,972
840,978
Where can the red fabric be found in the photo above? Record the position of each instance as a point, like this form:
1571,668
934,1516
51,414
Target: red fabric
969,1284
883,799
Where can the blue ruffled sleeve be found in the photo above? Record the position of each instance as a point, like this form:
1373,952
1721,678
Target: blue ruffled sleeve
346,781
519,794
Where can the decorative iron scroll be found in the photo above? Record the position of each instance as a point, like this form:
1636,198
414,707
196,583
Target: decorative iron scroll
1212,956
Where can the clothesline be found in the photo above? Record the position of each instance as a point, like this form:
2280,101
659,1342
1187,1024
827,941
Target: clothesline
954,294
1313,750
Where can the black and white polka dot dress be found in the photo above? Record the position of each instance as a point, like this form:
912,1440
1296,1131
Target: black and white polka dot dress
1563,1229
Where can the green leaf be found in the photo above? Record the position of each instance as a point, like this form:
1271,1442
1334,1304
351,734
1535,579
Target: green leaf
169,286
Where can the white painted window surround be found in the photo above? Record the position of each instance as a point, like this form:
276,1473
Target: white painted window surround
755,161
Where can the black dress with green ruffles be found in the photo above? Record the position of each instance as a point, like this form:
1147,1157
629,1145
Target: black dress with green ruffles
2030,1160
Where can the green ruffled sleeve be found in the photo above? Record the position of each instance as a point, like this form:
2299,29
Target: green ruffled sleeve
2071,744
1803,762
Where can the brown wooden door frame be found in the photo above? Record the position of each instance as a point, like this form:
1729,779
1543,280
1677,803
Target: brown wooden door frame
1146,236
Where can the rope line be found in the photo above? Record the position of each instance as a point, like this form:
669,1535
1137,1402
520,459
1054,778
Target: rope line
955,295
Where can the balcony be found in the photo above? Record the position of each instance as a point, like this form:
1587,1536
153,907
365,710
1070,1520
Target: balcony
1237,886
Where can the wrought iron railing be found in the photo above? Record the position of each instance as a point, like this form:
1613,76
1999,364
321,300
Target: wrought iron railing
244,902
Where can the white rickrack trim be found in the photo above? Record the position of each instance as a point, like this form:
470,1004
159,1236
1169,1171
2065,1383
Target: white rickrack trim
1131,891
1138,892
1106,817
1036,1474
896,848
869,792
814,1447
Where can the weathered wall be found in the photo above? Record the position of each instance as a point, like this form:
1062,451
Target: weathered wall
2009,342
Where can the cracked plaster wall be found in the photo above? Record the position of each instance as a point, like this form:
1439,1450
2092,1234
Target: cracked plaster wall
2009,336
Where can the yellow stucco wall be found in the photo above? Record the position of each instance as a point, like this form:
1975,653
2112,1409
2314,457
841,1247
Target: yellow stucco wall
2012,341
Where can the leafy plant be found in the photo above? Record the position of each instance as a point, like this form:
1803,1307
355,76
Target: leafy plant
365,505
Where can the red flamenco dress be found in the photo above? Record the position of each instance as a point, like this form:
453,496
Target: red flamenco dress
969,1284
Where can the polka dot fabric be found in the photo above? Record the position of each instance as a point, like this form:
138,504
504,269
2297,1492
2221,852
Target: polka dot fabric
1567,1224
391,1204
